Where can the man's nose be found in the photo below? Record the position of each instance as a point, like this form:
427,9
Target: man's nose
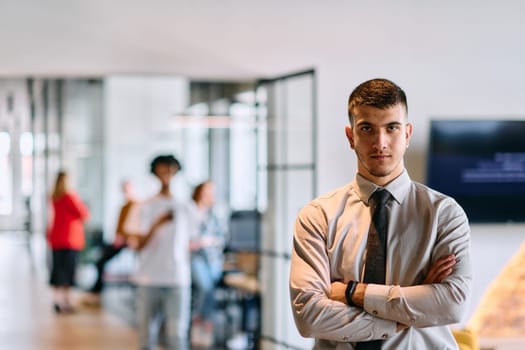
381,140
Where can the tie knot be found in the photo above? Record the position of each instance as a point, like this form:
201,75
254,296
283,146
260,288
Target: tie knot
381,197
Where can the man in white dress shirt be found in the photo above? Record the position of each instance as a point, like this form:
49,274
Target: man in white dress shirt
428,274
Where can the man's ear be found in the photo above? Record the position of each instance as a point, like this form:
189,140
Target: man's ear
408,133
349,135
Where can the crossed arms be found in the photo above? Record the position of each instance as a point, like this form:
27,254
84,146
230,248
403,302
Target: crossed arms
318,282
441,269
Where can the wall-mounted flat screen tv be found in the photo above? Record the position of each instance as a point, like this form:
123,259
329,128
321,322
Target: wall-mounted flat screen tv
481,163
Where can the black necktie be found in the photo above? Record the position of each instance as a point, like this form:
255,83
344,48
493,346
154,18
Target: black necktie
375,266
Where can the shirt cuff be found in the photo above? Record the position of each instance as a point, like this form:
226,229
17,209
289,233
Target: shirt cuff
382,329
376,297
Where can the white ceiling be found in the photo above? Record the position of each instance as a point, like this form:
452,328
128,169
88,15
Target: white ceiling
238,39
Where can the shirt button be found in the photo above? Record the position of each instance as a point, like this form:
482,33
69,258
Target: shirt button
412,320
345,338
384,336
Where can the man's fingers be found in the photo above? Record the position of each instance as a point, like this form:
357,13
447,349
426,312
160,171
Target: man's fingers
445,261
441,276
440,270
445,267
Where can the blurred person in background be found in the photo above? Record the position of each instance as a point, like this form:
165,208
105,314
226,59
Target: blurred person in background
119,243
207,262
66,238
163,274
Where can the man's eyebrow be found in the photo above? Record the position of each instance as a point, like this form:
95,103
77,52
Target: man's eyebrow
366,123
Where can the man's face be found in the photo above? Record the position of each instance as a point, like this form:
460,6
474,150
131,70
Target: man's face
379,138
165,173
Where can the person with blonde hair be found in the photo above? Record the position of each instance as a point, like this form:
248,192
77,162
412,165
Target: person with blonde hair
66,238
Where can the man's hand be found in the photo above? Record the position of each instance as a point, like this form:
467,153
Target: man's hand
138,241
338,289
133,242
164,218
337,292
441,269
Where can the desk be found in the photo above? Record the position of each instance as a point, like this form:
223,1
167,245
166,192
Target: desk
242,282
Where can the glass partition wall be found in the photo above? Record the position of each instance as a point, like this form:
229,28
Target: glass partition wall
286,182
47,125
218,133
15,155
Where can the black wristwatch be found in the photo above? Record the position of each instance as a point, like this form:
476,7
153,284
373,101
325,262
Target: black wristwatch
350,289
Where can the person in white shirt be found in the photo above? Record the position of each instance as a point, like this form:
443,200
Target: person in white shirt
428,273
163,273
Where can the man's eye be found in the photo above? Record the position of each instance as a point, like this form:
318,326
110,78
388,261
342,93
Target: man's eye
366,129
393,127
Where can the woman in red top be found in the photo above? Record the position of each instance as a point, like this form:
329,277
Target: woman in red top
66,238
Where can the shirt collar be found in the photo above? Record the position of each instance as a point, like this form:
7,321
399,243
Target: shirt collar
398,187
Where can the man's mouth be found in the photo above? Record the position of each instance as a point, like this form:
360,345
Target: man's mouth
380,156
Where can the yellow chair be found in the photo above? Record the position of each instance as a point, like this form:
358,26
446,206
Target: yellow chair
466,339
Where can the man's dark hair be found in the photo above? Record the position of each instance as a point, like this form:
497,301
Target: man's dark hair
167,159
378,93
